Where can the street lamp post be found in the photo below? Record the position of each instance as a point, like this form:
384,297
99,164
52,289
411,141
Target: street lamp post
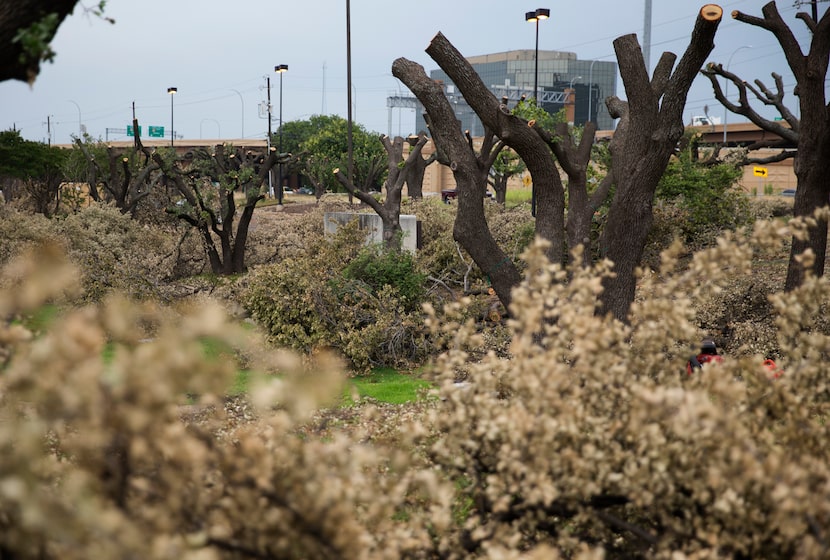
572,97
172,91
80,125
280,69
534,17
726,90
242,122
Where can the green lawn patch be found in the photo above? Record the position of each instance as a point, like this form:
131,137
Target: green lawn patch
387,385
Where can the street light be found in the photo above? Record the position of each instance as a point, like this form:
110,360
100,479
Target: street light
572,99
80,126
242,122
534,17
172,91
280,69
218,127
726,90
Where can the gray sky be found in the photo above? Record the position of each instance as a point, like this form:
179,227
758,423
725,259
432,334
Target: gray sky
218,53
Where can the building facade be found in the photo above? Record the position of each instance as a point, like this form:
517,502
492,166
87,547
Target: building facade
578,86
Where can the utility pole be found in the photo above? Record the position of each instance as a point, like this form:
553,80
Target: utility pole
268,142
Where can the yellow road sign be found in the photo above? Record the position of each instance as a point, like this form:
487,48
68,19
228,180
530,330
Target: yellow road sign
526,180
759,171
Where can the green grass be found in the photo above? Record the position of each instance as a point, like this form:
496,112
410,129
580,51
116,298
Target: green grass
388,386
384,385
515,197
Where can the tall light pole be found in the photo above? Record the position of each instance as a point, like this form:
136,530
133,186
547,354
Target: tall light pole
241,100
268,140
726,89
172,91
280,69
572,97
80,126
349,141
534,17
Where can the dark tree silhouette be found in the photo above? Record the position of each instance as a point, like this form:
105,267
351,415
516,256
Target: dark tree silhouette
810,132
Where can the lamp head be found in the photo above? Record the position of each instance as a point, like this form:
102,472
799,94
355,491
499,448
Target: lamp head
542,13
281,68
172,90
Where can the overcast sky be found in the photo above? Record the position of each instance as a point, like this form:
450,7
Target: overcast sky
218,53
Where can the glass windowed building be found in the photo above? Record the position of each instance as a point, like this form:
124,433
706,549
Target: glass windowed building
578,86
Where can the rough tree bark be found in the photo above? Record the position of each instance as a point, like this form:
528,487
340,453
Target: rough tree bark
651,124
16,15
398,171
470,171
415,175
494,114
574,157
811,132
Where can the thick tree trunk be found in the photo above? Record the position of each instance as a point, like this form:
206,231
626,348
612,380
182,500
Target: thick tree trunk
415,175
810,133
550,200
651,125
500,188
470,228
15,16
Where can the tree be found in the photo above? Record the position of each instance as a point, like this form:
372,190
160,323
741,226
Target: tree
811,132
470,169
209,190
129,176
415,175
507,164
650,127
651,123
26,29
32,168
325,150
397,172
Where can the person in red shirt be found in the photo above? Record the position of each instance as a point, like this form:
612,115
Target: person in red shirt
708,353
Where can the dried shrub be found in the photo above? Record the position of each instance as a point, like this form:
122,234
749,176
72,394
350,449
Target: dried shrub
308,302
116,253
592,434
113,445
22,230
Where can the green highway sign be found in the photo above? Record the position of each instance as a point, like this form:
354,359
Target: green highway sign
156,132
130,130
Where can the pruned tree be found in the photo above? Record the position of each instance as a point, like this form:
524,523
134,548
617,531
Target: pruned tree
810,132
787,141
209,200
650,127
415,175
128,177
507,164
651,124
470,169
574,155
398,170
514,132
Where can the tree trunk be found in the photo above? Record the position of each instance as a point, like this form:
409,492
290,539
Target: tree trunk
651,125
415,175
810,133
550,199
15,16
500,188
455,150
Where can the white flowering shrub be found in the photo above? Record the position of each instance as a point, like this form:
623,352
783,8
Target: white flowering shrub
593,435
586,440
